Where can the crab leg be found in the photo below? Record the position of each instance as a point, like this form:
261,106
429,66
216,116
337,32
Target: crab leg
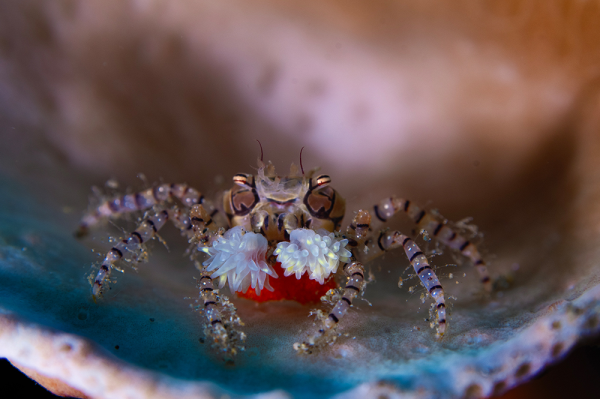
144,232
215,326
358,231
204,230
419,262
356,279
138,202
389,240
443,233
181,220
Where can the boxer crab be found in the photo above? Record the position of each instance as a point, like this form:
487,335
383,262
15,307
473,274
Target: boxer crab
290,224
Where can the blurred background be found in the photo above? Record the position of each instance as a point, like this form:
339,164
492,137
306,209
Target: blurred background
473,107
455,104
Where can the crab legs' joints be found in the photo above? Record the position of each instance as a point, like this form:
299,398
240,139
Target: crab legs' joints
356,279
220,331
144,232
357,232
204,229
196,224
140,201
213,315
389,240
443,233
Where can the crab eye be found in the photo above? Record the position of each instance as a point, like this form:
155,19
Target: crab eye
243,200
320,202
243,179
321,181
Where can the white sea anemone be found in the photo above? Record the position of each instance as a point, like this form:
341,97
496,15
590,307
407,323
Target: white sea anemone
239,257
309,251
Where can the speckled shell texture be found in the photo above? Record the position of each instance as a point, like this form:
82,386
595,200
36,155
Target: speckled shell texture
484,109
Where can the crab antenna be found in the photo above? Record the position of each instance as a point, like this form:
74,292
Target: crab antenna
301,168
261,151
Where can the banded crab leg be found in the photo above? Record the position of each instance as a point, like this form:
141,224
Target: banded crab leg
221,331
203,229
138,202
443,233
389,240
358,231
356,279
145,231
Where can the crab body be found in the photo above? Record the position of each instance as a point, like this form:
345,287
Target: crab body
274,206
279,222
279,229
